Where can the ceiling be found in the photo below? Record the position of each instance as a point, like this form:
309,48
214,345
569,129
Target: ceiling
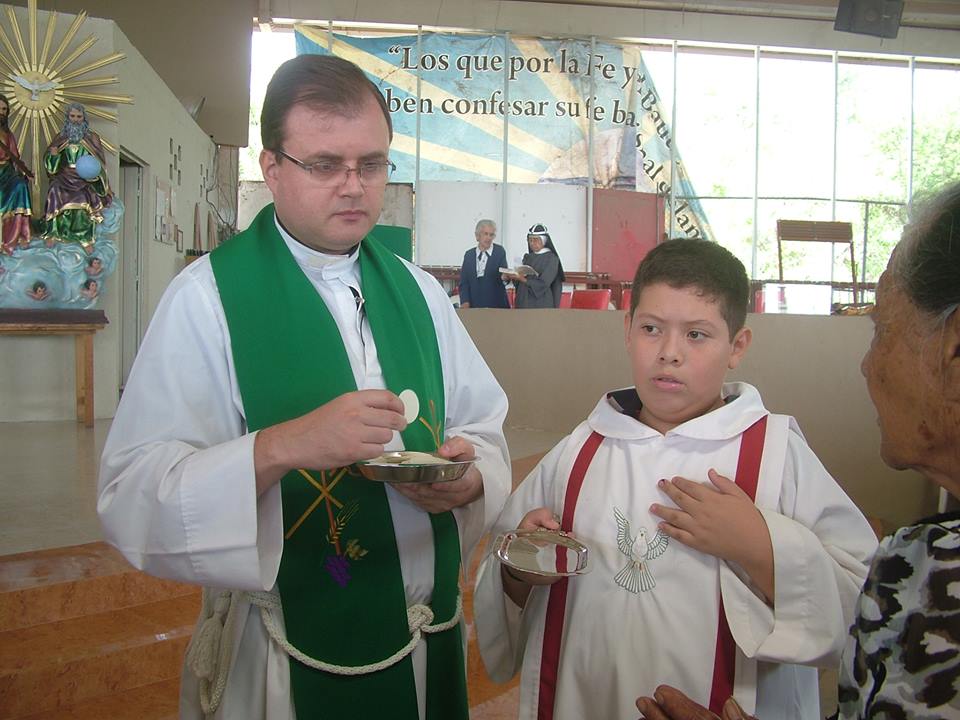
939,14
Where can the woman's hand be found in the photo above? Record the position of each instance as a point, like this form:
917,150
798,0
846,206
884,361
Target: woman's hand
669,703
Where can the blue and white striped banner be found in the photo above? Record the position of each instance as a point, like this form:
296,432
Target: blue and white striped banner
550,90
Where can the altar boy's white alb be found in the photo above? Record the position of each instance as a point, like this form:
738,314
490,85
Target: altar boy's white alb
652,608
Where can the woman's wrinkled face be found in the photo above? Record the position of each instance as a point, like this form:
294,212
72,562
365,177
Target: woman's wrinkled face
535,243
903,376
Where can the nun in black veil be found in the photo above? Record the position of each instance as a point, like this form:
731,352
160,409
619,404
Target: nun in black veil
544,289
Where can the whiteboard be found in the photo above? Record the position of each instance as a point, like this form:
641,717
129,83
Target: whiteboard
447,214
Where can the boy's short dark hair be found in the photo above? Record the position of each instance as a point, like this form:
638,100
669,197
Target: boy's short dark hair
695,263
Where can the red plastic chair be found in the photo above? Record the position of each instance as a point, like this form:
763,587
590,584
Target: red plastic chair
591,299
625,296
566,297
511,296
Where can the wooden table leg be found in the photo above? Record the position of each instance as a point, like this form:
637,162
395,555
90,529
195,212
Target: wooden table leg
84,371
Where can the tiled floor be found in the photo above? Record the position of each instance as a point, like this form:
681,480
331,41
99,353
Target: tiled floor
48,482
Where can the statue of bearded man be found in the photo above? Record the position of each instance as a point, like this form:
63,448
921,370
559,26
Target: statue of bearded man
74,205
14,188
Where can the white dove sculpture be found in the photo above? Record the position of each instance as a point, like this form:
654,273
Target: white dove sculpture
34,88
635,575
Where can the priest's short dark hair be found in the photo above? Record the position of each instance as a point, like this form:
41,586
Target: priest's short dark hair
322,82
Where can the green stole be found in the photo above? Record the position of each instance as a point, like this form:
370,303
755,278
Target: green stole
340,581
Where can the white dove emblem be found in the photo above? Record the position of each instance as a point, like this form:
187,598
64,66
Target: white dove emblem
34,88
636,575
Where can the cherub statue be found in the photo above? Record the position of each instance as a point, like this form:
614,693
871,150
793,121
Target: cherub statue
90,289
38,291
94,266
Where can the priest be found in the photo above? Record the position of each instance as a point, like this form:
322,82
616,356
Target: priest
271,367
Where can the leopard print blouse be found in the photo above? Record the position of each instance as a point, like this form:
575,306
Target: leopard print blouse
902,659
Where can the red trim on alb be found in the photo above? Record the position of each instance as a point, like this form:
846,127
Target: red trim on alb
748,475
557,603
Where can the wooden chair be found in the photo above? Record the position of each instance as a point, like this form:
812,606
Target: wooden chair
817,231
625,297
590,299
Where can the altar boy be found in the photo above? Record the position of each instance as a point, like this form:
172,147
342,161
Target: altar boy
724,558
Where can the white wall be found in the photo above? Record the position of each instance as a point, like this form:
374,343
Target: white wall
146,130
560,362
39,382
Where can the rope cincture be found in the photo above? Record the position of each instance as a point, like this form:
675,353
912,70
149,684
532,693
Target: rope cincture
208,656
211,647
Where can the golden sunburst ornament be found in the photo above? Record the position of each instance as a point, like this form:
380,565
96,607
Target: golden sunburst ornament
40,85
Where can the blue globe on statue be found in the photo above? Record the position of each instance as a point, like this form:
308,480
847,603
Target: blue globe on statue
88,167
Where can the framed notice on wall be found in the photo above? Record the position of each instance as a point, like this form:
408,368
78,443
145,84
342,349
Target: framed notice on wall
163,220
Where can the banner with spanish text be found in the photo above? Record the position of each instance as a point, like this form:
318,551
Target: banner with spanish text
477,96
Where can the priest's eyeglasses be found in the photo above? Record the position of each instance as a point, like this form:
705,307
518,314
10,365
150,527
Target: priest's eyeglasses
328,173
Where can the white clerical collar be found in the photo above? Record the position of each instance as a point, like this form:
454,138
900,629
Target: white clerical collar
314,262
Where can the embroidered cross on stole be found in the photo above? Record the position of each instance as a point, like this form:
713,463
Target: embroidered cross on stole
340,581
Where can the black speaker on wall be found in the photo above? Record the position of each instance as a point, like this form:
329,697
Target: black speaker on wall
869,17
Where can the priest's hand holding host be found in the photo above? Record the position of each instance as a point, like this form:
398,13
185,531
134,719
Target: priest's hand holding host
440,497
353,427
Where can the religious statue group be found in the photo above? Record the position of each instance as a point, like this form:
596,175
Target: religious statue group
77,196
78,191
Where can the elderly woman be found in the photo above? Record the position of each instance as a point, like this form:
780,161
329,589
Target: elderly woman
544,289
903,656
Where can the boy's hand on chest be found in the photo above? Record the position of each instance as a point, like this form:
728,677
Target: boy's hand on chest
719,519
